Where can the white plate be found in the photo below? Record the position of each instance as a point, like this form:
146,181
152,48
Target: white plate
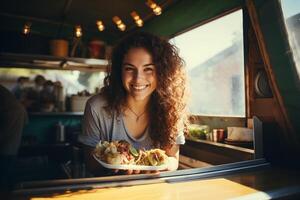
132,167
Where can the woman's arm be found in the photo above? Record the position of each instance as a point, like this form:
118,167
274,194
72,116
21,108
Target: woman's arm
173,154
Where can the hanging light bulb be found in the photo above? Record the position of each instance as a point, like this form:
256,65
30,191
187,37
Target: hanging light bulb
121,26
134,15
78,31
139,22
151,4
100,25
155,8
26,28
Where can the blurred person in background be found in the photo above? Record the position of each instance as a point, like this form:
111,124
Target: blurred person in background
33,95
39,82
59,96
13,117
19,89
47,97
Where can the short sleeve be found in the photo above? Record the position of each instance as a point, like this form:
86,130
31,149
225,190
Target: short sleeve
91,129
180,138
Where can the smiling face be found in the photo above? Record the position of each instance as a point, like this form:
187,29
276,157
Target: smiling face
139,74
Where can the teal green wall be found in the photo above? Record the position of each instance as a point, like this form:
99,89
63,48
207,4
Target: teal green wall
187,13
42,127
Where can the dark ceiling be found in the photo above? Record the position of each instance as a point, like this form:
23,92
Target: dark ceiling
57,18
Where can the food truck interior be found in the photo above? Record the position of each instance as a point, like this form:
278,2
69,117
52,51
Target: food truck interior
242,59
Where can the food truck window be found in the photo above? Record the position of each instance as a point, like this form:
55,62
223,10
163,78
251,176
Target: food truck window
291,13
214,57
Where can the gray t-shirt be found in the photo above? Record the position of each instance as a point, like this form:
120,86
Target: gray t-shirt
98,126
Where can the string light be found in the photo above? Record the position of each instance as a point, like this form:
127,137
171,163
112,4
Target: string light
121,26
139,22
155,8
26,28
78,31
100,25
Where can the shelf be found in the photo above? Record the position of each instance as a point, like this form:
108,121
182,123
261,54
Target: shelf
215,153
55,113
9,60
222,145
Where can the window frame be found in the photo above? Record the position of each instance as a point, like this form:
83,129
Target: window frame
35,187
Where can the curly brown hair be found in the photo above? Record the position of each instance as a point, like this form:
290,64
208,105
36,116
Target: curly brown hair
168,113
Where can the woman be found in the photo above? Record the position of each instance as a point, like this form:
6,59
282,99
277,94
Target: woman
143,100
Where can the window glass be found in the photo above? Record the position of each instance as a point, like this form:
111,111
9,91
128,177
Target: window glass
215,63
291,13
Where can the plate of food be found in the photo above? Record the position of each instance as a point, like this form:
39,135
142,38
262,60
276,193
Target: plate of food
122,155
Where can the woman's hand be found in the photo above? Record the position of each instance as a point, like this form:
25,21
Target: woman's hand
172,164
173,159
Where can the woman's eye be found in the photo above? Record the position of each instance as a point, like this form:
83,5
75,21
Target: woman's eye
148,69
128,69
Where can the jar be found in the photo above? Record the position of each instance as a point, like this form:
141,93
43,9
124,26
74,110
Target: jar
59,48
218,135
97,49
60,132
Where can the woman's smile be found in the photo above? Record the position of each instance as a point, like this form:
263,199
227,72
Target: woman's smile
139,87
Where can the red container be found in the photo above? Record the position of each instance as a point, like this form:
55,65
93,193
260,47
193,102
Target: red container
97,49
218,135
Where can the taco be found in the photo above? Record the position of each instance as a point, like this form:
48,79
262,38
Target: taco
123,153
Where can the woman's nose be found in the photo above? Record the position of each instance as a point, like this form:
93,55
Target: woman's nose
139,74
